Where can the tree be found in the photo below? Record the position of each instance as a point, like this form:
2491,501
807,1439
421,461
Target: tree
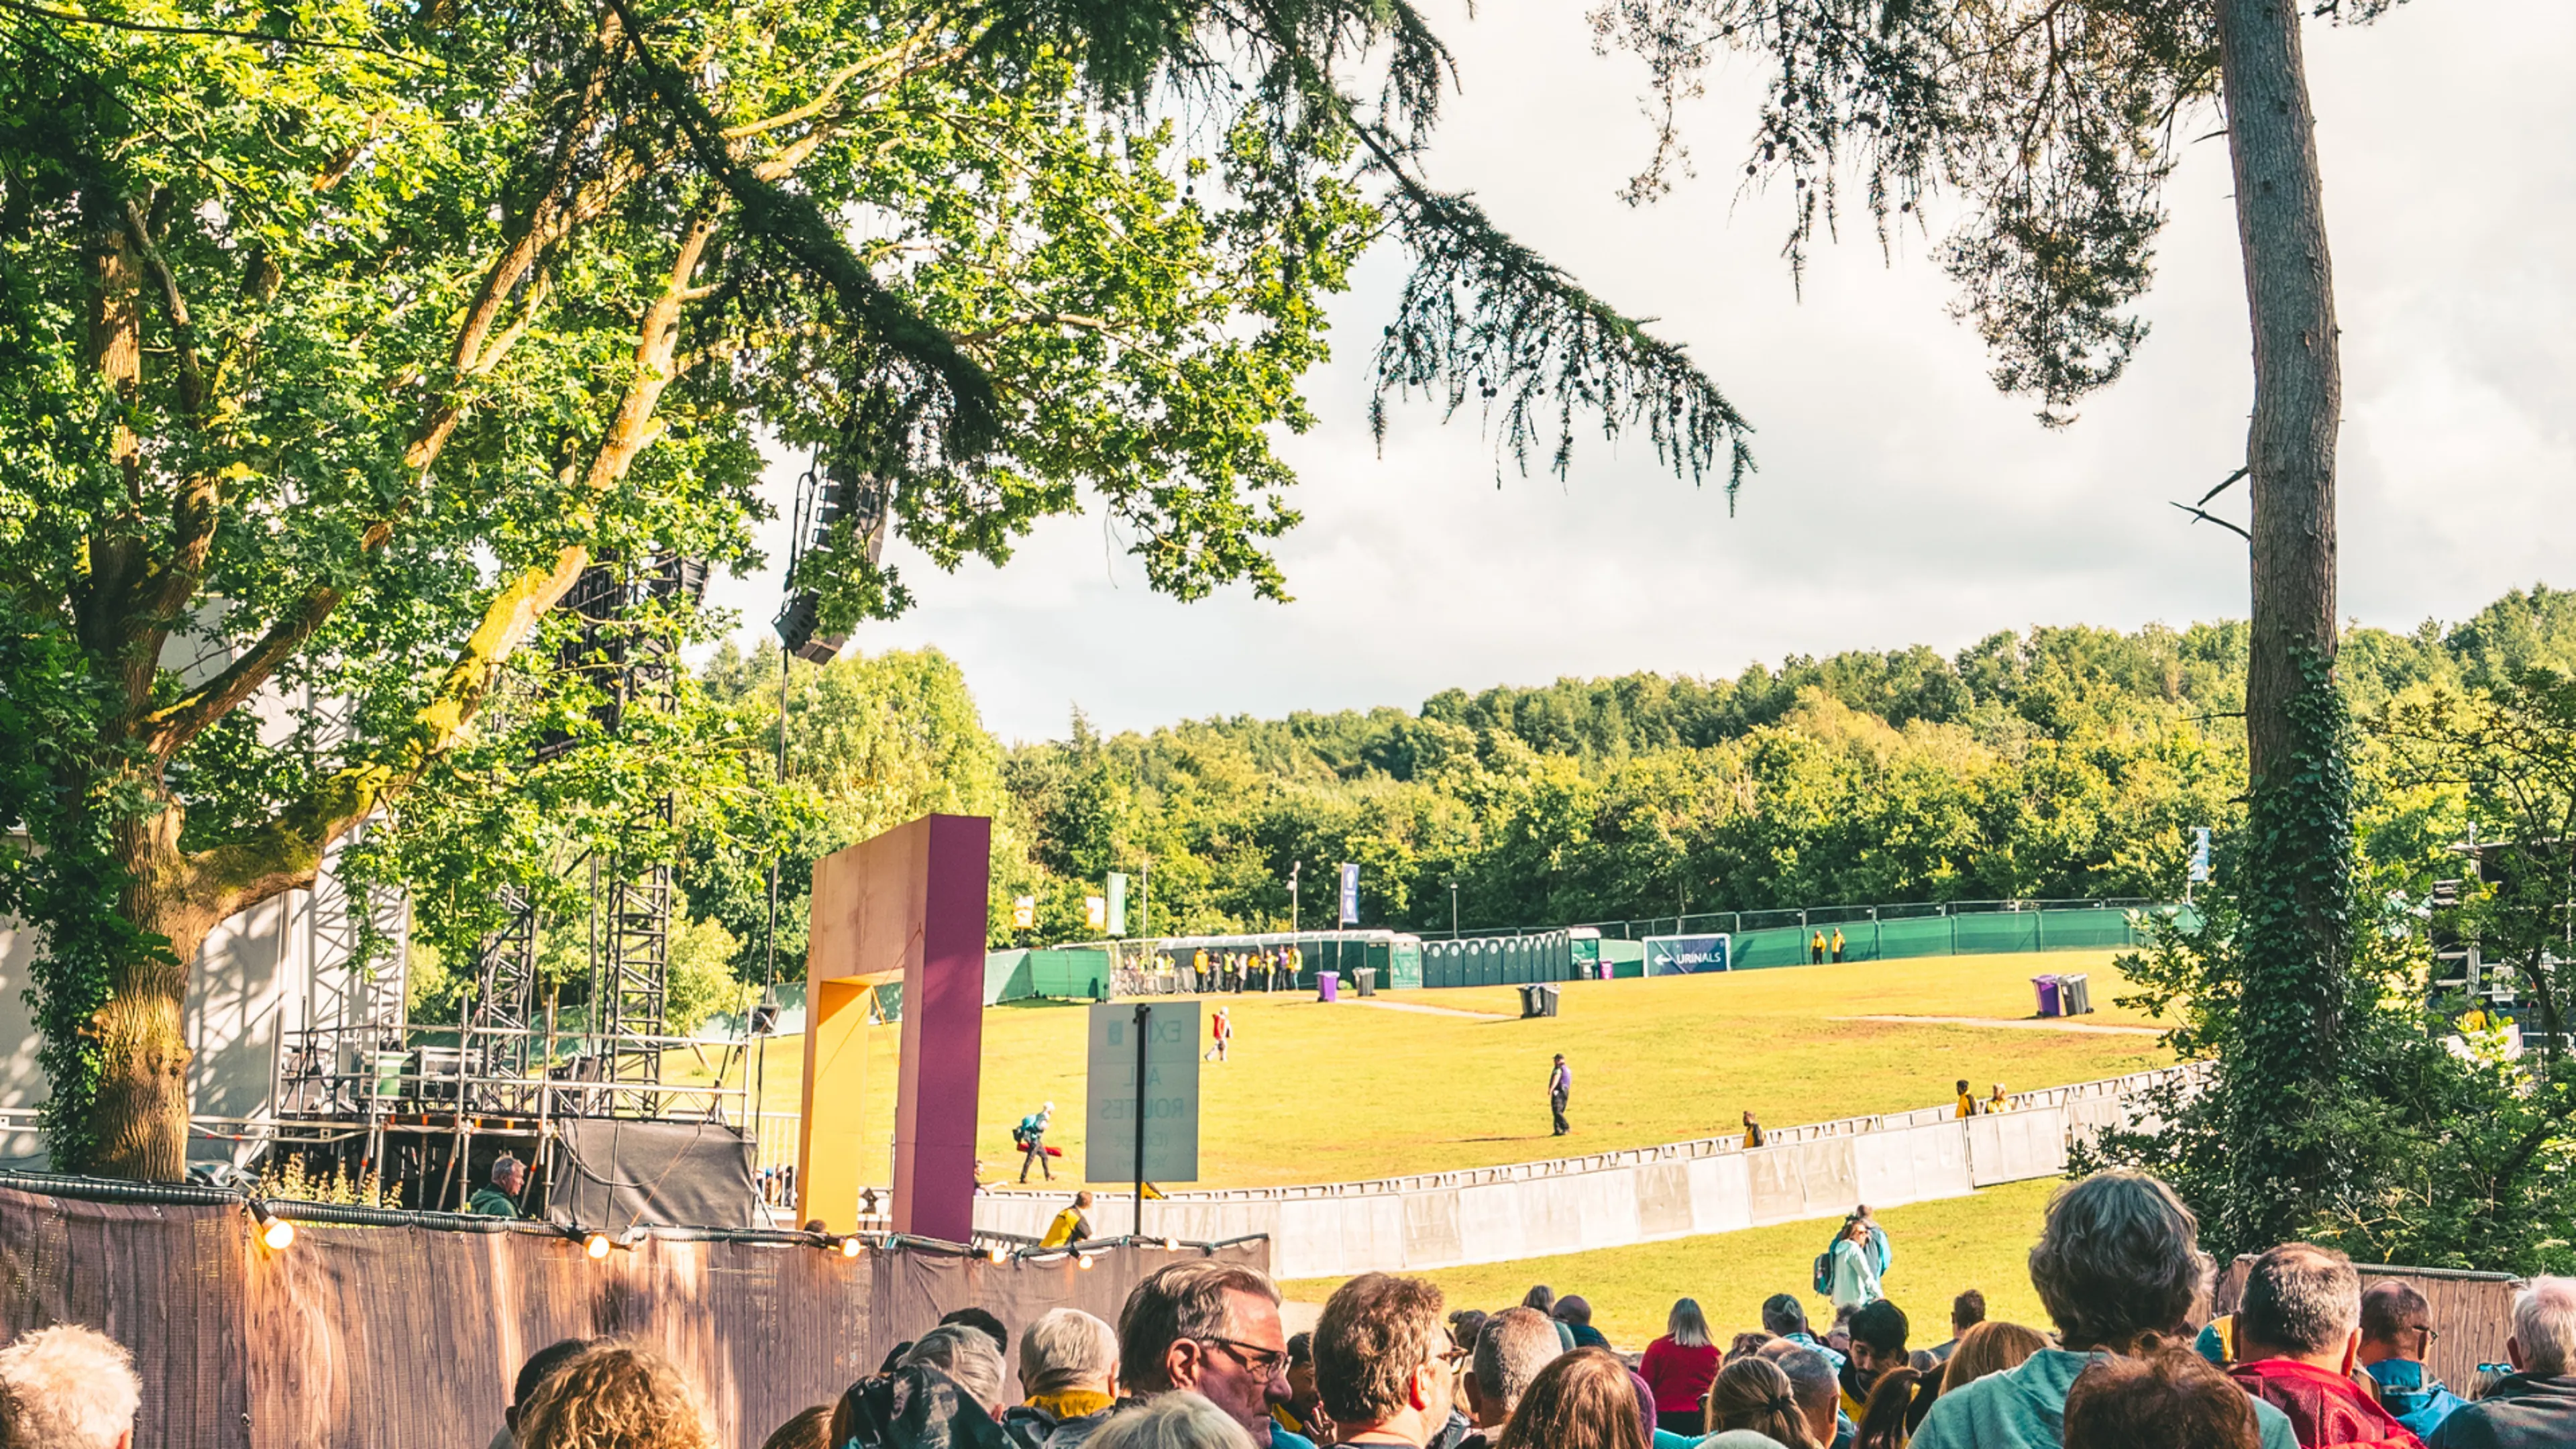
340,343
2056,121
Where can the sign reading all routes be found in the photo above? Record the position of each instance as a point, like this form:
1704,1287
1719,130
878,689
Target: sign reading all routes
1174,1036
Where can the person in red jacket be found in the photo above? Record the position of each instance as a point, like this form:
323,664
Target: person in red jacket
1679,1367
2295,1337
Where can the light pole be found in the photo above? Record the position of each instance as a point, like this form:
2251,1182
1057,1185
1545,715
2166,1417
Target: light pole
1294,867
1453,910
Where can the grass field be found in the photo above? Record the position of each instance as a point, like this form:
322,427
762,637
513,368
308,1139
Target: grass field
1980,1242
1319,1093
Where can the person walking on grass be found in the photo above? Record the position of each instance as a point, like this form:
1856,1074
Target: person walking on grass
1220,1034
1560,1091
1030,1138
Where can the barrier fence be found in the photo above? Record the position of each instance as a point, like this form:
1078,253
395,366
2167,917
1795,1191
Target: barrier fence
1642,1195
408,1333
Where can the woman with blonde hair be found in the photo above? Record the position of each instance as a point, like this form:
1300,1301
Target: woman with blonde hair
1989,1348
617,1394
1752,1396
1679,1367
1581,1400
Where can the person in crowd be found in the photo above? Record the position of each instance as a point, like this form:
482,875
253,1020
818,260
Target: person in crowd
1966,1312
1073,1225
1887,1416
1068,1380
809,1429
616,1394
1785,1319
532,1373
1543,1298
2119,1268
2170,1399
970,1358
1679,1367
1747,1344
1515,1344
1752,1132
1581,1400
2296,1332
1303,1412
1464,1325
1198,971
1989,1348
68,1387
499,1198
1220,1034
1819,1394
1381,1361
2536,1403
1853,1266
1575,1313
1210,1328
2396,1334
1173,1421
984,1321
1967,1100
1560,1092
1030,1138
1877,1346
1838,1337
1751,1396
1656,1438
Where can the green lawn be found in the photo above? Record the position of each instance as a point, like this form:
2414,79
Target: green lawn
1321,1093
1980,1242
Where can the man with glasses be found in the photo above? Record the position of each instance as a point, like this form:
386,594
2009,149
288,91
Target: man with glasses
2396,1337
1384,1363
1211,1329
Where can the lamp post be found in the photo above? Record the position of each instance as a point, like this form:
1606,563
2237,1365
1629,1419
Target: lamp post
1294,867
1453,910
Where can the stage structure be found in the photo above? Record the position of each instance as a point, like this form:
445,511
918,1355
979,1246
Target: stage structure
427,1109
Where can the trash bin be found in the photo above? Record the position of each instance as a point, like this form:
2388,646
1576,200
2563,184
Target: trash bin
1328,986
2049,1002
1366,977
2075,993
1538,998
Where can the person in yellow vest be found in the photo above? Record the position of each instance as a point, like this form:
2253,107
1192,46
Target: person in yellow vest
1073,1225
1838,943
2000,1101
1816,950
1967,1101
1198,969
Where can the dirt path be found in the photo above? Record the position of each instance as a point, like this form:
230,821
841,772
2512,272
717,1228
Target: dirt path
2019,1023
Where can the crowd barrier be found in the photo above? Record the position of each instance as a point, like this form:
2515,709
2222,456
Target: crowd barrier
407,1331
1642,1195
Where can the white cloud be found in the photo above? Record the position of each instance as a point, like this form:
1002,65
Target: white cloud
1901,499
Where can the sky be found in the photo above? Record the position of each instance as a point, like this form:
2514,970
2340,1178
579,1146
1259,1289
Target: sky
1900,498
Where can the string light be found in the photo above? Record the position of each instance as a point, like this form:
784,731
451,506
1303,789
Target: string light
1082,1260
850,1246
595,1246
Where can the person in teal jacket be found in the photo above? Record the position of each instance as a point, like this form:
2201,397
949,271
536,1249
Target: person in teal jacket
2119,1269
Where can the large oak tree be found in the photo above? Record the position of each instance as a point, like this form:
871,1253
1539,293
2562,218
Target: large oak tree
337,341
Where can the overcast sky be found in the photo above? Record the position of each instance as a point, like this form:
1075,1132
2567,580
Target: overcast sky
1901,499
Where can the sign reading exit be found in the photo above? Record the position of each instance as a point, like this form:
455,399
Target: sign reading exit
1174,1037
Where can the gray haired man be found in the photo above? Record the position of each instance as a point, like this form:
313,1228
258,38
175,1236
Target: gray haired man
2536,1404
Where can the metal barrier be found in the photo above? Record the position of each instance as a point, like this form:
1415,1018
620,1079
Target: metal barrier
1645,1194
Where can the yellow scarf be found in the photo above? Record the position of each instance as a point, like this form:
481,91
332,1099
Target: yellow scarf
1072,1403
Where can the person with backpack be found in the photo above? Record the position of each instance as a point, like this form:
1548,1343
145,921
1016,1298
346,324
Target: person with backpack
1030,1138
1848,1271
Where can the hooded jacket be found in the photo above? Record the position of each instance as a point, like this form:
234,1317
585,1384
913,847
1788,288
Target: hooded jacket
2522,1412
2025,1408
2418,1405
2323,1408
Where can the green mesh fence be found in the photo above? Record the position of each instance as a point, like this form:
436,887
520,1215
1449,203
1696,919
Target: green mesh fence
1987,933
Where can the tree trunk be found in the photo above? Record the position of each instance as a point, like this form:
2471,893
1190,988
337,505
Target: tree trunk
139,1123
2294,872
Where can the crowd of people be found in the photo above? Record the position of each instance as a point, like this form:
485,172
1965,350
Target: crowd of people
1199,1360
1263,969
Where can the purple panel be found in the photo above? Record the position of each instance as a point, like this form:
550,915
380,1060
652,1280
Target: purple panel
943,1033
